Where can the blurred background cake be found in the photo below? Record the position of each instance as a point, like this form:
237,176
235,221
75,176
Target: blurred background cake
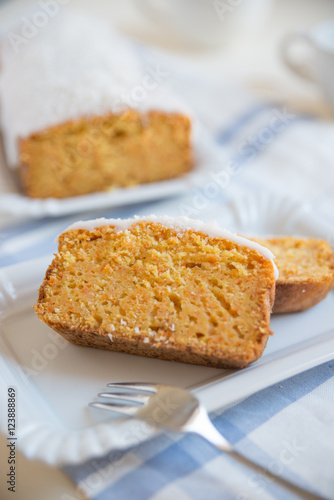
81,112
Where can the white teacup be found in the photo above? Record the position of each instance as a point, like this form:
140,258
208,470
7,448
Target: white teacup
318,65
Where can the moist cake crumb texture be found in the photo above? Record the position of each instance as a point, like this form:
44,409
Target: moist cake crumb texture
160,292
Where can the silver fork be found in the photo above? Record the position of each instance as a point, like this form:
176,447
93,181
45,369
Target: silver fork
178,410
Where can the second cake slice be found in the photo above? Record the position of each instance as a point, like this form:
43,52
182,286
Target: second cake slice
306,271
170,288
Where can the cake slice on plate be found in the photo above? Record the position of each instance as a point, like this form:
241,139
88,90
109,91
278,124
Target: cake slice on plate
81,111
306,271
163,287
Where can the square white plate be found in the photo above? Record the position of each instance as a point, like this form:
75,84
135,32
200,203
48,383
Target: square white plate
208,157
56,380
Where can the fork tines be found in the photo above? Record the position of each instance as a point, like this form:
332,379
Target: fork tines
133,387
125,397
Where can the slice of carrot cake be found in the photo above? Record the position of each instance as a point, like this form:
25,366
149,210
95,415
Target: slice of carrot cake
306,271
163,287
82,112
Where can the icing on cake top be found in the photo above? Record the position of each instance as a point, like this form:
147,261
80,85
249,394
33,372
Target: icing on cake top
180,224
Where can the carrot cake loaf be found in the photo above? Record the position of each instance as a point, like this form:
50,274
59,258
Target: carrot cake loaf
81,113
306,271
163,287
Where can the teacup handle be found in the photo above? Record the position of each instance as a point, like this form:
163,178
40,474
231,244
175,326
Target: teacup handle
301,68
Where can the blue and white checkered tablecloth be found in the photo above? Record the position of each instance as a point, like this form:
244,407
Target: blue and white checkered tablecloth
288,427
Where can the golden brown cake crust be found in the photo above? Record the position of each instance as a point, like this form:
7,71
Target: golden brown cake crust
299,296
178,348
104,152
175,353
306,268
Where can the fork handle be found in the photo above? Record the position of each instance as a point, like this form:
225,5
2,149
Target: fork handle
203,426
258,469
